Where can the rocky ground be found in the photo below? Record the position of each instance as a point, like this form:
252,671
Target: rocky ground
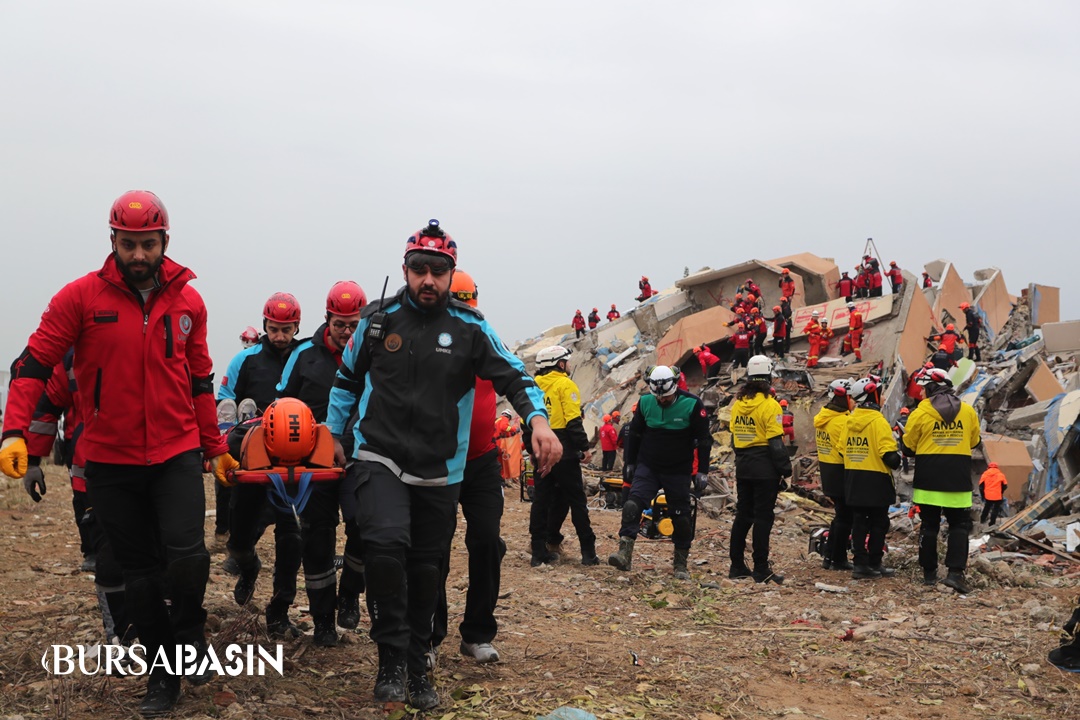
617,645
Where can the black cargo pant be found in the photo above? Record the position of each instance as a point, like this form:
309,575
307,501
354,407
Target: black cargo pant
560,490
839,530
956,548
153,517
645,486
405,530
481,501
869,525
250,507
753,510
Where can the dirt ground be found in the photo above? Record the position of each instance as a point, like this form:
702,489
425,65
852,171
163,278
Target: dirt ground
617,645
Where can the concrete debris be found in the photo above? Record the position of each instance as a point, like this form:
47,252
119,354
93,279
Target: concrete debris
1025,387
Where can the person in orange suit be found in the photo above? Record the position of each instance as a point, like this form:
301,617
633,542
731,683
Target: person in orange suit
787,284
992,486
853,341
812,330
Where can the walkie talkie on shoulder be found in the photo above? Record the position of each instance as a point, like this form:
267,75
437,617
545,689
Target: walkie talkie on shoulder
376,329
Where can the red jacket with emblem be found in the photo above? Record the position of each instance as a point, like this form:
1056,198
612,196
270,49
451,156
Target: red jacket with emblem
609,437
144,373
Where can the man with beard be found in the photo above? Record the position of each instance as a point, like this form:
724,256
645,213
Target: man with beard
308,376
253,374
139,332
410,373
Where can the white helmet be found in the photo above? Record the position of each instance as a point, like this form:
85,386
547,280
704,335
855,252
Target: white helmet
549,357
864,389
760,367
933,376
815,313
841,387
507,414
851,306
662,381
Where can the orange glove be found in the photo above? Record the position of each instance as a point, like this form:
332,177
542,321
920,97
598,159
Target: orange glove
222,466
13,457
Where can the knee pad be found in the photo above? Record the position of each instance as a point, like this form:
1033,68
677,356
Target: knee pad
424,579
682,528
631,512
189,572
965,524
385,570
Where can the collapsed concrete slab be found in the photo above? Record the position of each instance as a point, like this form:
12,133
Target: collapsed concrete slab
993,301
951,293
1044,302
1061,337
815,280
818,276
701,328
1043,385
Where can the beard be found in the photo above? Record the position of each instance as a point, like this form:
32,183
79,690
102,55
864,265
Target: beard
138,272
428,297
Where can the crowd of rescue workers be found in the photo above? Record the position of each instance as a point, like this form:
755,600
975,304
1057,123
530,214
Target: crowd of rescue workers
384,420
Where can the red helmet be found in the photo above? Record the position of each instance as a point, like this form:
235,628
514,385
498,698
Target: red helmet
755,310
250,335
612,306
282,307
965,305
138,210
777,308
596,309
738,296
289,428
892,263
645,278
432,240
905,411
751,297
950,326
785,271
345,298
577,312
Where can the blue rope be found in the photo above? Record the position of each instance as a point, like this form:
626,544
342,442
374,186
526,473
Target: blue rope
280,498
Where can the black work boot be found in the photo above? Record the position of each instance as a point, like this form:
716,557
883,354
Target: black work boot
955,580
348,611
765,574
884,571
244,589
325,632
278,625
588,552
422,695
197,638
162,693
929,577
390,681
738,570
679,563
842,565
541,555
623,558
864,572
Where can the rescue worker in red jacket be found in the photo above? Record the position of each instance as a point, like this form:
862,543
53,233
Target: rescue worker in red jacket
613,314
609,443
973,327
710,363
812,330
752,288
787,284
853,341
594,319
992,486
779,331
578,323
645,288
761,330
139,331
862,282
873,276
741,340
845,287
927,281
737,303
787,421
947,341
896,277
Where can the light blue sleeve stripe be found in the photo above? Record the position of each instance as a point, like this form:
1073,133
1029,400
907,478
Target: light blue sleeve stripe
290,364
455,467
341,400
227,391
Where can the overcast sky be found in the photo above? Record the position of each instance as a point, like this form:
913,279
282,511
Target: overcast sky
569,147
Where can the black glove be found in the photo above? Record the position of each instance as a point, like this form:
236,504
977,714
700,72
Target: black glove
701,481
629,470
34,482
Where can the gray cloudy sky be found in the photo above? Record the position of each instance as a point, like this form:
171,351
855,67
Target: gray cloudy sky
569,147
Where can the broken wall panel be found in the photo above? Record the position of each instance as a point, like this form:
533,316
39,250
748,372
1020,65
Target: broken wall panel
951,293
994,303
836,312
1045,304
703,327
1061,337
817,275
918,326
1012,458
1043,385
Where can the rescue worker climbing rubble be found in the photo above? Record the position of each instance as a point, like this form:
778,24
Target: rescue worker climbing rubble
594,319
578,323
613,314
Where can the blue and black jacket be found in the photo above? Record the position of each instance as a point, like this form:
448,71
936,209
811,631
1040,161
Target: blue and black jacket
310,374
413,389
254,373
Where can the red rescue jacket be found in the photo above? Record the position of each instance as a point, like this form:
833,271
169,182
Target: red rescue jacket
578,323
741,340
609,437
144,375
846,287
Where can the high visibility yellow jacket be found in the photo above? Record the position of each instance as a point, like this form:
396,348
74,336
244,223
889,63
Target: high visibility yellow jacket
828,425
867,440
562,399
942,447
757,431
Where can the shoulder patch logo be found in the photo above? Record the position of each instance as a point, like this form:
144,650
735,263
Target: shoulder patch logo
445,340
185,326
392,343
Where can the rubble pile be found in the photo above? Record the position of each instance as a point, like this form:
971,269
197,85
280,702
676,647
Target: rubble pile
1025,388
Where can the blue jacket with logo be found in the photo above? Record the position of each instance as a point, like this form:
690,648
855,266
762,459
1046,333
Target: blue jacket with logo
254,373
413,389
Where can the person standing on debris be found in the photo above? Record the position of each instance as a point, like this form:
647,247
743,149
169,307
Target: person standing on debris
927,281
853,341
785,309
787,284
779,331
710,363
670,427
594,318
609,443
992,487
812,330
1067,657
563,401
761,465
737,304
761,331
845,287
947,341
941,433
613,314
787,420
896,277
862,282
829,424
870,455
578,323
751,287
411,444
973,327
873,272
741,341
824,336
139,332
253,374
